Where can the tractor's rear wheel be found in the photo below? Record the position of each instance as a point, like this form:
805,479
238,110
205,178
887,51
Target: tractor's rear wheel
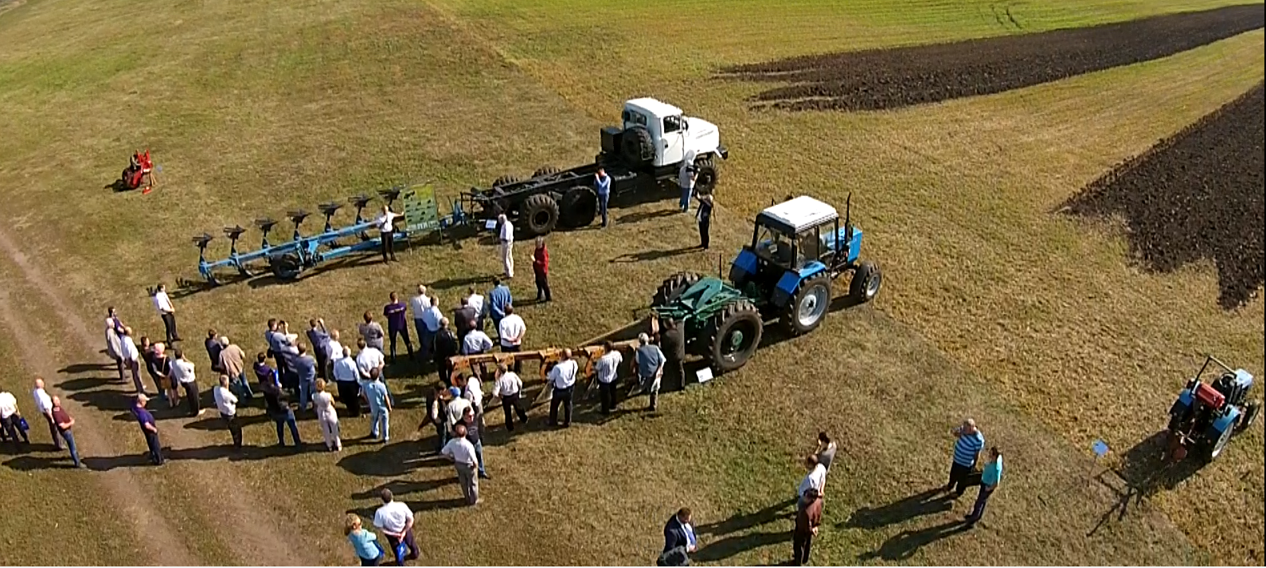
706,173
866,282
545,171
809,306
539,214
1215,448
673,287
579,207
505,180
734,336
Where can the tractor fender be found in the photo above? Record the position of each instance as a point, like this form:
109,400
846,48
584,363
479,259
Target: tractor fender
743,267
1181,405
1184,398
790,282
1224,422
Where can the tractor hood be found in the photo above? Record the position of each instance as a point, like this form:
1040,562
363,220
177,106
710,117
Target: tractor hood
702,136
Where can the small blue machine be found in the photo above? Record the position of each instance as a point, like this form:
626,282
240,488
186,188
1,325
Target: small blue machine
1206,415
287,260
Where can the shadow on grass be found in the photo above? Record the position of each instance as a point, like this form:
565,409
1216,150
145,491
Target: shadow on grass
77,368
208,453
926,503
639,216
1145,472
391,460
652,255
731,546
778,511
906,543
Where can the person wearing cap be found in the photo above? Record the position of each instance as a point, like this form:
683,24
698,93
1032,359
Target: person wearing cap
149,428
650,367
456,408
562,378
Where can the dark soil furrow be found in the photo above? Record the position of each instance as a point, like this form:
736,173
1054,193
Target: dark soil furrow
1200,194
893,78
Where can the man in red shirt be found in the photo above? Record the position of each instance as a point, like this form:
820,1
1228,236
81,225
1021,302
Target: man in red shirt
808,518
64,424
540,267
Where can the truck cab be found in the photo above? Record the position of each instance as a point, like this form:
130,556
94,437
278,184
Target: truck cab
673,137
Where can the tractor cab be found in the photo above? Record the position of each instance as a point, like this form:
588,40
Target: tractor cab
801,236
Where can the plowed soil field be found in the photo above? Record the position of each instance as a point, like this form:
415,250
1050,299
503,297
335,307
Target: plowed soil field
893,78
1196,195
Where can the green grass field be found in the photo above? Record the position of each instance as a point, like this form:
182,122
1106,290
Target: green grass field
994,306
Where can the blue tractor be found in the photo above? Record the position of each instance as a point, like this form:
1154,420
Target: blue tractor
1206,415
799,247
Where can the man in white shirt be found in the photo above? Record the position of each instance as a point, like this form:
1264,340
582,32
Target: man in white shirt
509,388
387,232
395,520
369,359
44,405
226,403
510,331
114,327
476,302
815,479
9,421
506,229
607,370
562,378
417,306
462,452
166,311
347,380
131,358
476,342
182,371
456,408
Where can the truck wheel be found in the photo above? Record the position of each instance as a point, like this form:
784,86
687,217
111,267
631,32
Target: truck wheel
579,207
706,175
735,335
809,306
1215,447
539,214
505,180
866,282
638,148
673,287
545,171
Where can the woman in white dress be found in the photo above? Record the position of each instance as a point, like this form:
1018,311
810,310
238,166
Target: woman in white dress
327,417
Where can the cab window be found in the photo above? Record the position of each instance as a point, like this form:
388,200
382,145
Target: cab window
672,124
632,118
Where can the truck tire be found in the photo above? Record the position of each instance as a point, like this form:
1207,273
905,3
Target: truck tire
734,336
505,180
637,147
706,173
809,306
866,282
539,214
579,207
672,288
545,171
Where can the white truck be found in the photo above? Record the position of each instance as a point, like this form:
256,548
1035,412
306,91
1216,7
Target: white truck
654,143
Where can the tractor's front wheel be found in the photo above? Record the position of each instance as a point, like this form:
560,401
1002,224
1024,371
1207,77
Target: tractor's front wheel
539,214
1251,410
866,282
734,336
673,287
809,306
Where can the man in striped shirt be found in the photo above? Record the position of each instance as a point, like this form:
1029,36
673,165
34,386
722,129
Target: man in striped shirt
966,453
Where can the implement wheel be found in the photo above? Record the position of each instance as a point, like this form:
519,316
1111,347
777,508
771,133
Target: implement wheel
579,207
809,306
673,287
734,336
539,214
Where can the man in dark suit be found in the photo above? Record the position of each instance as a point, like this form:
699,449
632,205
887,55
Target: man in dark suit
677,543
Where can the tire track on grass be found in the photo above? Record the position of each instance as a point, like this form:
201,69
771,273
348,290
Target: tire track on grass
159,545
261,542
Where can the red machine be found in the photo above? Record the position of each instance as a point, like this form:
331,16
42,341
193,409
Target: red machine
139,170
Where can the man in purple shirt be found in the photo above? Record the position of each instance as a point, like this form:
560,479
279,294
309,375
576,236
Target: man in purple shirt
396,313
263,373
149,428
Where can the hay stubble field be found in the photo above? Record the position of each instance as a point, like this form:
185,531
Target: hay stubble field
1039,324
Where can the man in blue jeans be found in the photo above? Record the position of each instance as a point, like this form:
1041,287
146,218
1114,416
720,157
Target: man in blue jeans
475,435
686,180
379,406
64,423
602,183
149,428
279,410
989,479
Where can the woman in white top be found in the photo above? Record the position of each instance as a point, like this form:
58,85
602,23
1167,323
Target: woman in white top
327,417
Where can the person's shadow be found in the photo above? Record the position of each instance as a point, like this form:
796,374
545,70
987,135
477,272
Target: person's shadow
902,546
925,503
